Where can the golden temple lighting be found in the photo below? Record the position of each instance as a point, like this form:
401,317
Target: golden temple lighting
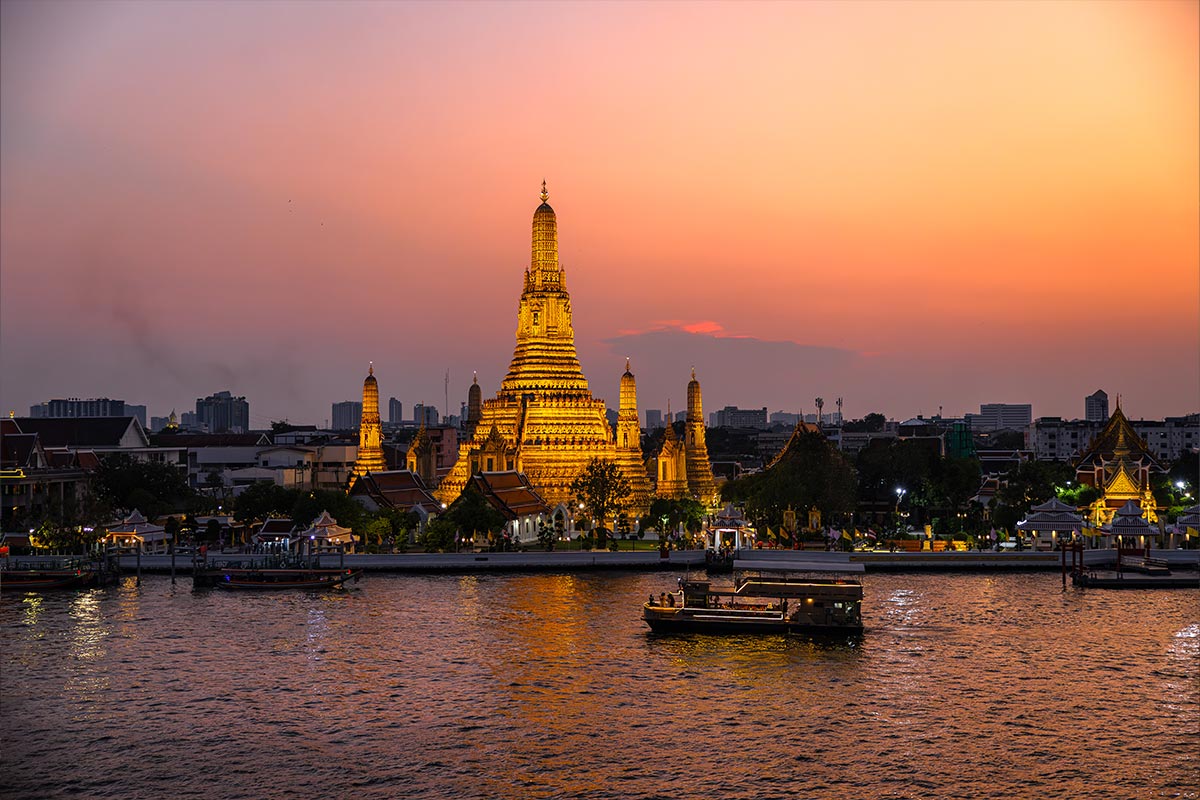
370,435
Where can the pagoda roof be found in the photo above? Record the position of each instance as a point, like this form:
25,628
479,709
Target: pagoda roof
19,450
1117,441
1055,515
210,439
802,429
1190,517
1128,521
401,489
325,527
510,493
84,431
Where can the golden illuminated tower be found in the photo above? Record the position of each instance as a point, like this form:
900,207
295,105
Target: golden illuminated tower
629,441
701,484
671,464
544,420
370,436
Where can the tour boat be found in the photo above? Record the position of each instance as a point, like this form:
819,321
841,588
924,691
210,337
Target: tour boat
311,580
759,605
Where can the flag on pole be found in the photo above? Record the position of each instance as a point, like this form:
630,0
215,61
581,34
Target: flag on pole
846,535
1193,532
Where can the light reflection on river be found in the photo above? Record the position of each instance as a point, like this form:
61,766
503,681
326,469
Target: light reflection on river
550,686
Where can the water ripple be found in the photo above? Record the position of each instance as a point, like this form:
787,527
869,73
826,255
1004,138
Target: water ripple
544,686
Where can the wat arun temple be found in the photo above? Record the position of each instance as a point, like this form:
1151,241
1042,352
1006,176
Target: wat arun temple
544,421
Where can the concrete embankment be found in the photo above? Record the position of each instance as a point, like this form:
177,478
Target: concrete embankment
451,562
677,560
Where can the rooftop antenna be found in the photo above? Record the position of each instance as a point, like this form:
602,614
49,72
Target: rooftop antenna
446,387
839,405
820,401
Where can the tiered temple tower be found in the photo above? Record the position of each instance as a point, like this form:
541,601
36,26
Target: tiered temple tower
629,441
474,407
370,435
671,464
544,420
701,483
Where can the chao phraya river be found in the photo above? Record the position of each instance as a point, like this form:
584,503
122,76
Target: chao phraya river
515,686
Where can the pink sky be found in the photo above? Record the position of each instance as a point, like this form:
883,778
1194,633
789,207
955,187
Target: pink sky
908,205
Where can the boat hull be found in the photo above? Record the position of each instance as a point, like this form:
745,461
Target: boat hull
277,580
46,581
713,621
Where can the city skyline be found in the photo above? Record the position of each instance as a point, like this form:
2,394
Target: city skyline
909,206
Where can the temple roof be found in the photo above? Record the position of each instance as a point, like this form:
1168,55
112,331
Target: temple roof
510,493
1129,521
1117,440
401,489
83,431
1054,514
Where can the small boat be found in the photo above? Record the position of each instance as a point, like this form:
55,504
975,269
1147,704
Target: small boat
759,605
39,580
309,580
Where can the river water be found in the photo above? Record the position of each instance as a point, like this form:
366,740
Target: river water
550,686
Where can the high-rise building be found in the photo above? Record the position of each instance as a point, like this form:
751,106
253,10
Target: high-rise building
223,413
74,407
425,415
1095,406
544,421
1001,416
395,411
654,419
370,435
136,411
734,417
346,415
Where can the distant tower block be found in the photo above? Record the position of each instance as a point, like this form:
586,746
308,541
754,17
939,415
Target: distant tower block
839,405
370,435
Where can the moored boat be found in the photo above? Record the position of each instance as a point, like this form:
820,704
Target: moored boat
311,580
759,605
37,580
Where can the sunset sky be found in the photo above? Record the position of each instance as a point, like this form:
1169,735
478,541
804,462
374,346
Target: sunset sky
912,206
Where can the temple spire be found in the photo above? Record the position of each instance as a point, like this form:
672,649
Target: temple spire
545,194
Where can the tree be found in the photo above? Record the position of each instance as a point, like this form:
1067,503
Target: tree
125,483
1026,485
212,531
603,489
545,535
438,535
472,513
262,500
810,475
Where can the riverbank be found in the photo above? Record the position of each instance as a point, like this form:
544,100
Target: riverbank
678,560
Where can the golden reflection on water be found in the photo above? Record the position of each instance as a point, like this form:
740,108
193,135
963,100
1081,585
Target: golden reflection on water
32,606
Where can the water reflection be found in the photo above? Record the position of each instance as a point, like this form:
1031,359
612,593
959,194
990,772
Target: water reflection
551,686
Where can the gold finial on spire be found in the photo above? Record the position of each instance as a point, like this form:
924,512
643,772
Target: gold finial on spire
627,363
545,194
371,368
693,372
474,376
